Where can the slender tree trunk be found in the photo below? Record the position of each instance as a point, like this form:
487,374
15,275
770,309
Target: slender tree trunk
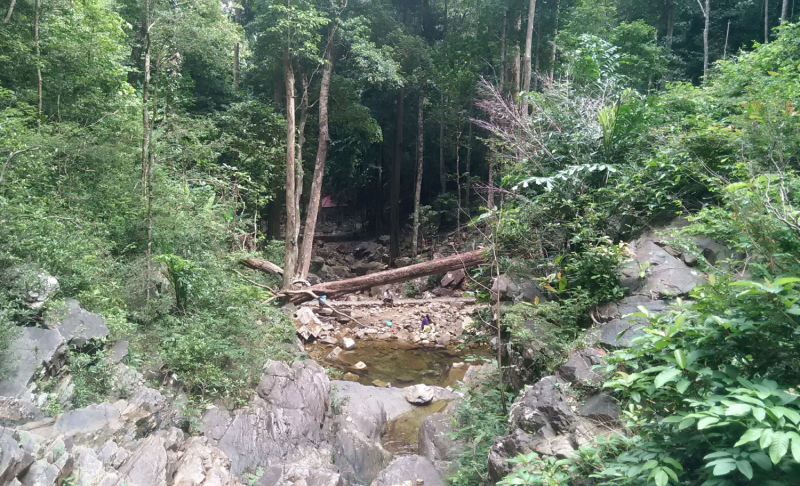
670,22
442,171
458,178
503,52
38,62
418,186
397,164
238,17
784,11
517,70
470,139
290,257
766,21
319,164
526,80
490,198
707,24
538,42
145,94
10,11
553,44
298,168
725,49
151,159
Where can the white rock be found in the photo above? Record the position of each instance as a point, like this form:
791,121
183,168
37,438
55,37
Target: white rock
348,343
419,394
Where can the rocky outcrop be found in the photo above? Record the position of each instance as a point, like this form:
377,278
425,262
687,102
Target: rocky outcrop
34,350
409,470
80,325
579,368
30,284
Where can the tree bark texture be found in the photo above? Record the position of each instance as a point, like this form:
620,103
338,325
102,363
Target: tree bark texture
784,11
39,61
343,287
526,80
145,94
10,11
397,165
418,185
538,43
766,21
290,258
319,166
503,52
442,171
670,22
468,161
298,166
553,44
262,265
707,25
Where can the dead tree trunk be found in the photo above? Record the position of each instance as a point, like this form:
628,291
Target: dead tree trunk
319,165
418,186
397,164
262,265
290,258
411,272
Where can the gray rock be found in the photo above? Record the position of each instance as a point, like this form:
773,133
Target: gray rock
506,287
89,420
81,325
119,351
283,423
542,409
13,459
434,442
578,368
402,262
31,284
665,275
528,291
419,394
32,348
601,408
504,448
146,466
272,476
88,469
409,468
334,354
201,464
478,373
15,411
453,279
43,473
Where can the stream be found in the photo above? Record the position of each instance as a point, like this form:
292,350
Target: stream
401,364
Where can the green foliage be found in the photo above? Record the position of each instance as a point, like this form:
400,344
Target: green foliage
479,419
93,376
597,270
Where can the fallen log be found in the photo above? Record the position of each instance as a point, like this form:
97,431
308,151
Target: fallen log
404,274
262,265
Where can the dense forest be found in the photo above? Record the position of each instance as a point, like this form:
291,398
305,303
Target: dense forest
148,147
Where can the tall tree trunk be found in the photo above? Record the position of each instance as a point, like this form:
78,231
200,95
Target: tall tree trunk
670,22
490,198
145,94
151,159
766,21
290,257
298,167
503,52
418,186
517,69
553,44
10,11
397,164
238,17
442,171
538,42
470,139
458,178
707,24
319,164
784,11
38,62
526,80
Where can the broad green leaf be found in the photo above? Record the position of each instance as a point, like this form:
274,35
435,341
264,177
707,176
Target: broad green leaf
724,468
766,438
745,468
649,465
706,422
680,358
683,385
789,414
749,436
762,460
661,478
672,462
759,413
738,410
665,376
779,447
795,445
686,423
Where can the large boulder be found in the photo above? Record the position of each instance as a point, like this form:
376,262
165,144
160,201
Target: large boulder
408,470
623,326
578,369
542,409
453,279
32,349
201,464
285,422
80,325
15,411
434,440
30,284
13,458
146,466
652,271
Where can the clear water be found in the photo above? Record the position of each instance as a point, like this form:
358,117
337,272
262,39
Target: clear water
399,363
401,437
